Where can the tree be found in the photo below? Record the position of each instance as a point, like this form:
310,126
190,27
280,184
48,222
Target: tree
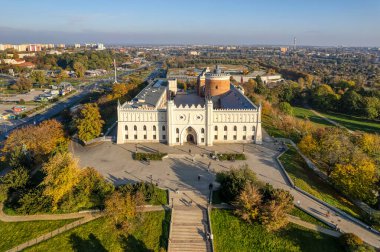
353,243
38,77
324,97
234,181
122,208
119,90
357,179
285,108
308,145
372,107
248,203
79,69
22,84
274,211
370,144
34,143
62,175
16,178
89,122
91,191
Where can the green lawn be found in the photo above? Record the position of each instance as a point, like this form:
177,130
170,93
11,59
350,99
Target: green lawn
150,234
160,197
304,113
354,123
308,181
15,233
307,217
232,234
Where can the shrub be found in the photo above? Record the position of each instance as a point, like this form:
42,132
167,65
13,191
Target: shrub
231,156
353,243
151,156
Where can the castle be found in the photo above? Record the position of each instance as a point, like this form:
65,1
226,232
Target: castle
217,112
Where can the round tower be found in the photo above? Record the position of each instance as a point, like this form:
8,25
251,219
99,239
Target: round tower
216,83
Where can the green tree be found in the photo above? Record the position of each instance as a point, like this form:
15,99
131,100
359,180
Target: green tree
79,69
234,181
38,77
285,108
22,84
89,122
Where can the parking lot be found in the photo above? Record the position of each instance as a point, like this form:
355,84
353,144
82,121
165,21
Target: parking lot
17,97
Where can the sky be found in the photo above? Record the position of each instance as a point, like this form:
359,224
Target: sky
238,22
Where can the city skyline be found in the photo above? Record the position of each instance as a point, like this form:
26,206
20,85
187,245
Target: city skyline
318,23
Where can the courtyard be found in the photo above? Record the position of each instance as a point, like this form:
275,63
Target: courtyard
179,170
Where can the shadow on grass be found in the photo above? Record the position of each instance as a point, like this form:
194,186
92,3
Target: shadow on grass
130,243
91,244
165,230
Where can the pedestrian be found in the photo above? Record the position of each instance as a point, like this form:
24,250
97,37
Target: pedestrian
199,177
328,214
209,164
189,151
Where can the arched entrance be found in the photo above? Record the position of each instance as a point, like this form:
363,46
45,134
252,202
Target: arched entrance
189,136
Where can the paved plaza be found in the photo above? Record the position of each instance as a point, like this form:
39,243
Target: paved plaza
180,170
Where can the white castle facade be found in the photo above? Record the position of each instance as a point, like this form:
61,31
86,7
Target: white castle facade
159,113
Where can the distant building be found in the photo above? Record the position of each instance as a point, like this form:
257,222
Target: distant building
283,49
193,53
76,45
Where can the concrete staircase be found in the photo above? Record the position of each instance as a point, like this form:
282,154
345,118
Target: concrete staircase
189,223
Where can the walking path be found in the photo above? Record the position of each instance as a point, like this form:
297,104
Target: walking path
314,227
83,218
330,121
189,225
54,233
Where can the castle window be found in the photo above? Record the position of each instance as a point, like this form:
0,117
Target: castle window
244,137
225,128
225,137
154,128
163,127
164,137
144,128
216,137
154,137
253,128
202,140
144,136
245,128
126,136
135,127
135,136
235,137
235,128
126,127
253,137
216,87
202,130
177,139
177,131
216,128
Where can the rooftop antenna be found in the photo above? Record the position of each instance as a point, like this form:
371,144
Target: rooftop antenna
114,63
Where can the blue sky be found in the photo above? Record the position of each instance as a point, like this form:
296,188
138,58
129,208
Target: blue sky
313,22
